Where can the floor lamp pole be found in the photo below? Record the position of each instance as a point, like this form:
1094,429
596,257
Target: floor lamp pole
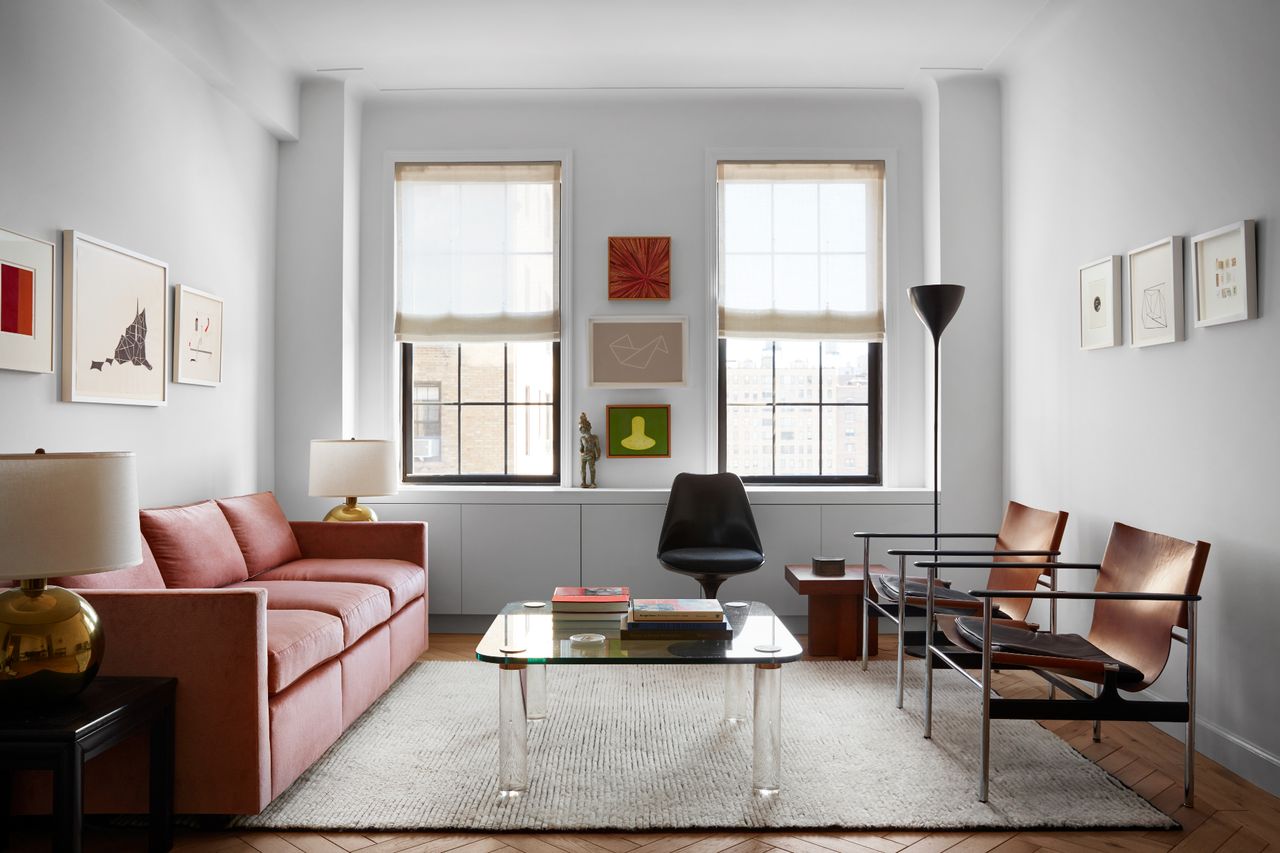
935,305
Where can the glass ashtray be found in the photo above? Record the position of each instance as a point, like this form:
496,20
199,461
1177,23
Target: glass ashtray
587,640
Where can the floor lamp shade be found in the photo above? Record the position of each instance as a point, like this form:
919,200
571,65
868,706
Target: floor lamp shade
935,305
351,469
64,514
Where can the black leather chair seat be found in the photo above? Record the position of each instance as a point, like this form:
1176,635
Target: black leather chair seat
712,560
1020,641
887,587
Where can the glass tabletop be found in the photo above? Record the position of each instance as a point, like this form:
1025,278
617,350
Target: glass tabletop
522,634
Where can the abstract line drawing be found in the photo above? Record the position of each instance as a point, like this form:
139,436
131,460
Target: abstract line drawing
132,346
639,267
196,346
639,357
1155,315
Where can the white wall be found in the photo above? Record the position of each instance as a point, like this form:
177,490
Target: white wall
640,167
1126,123
108,134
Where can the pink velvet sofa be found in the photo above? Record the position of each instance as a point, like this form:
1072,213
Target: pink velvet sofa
280,635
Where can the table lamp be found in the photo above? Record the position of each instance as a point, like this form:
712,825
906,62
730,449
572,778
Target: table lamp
351,469
63,514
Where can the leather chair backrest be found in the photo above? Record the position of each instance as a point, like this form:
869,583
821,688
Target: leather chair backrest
1139,632
708,511
1024,528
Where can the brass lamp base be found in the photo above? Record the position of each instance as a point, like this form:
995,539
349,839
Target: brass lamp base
51,644
351,511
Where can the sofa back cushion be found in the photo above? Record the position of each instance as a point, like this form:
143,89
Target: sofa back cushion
263,533
145,575
194,546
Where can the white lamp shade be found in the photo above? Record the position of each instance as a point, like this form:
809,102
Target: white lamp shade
67,514
352,469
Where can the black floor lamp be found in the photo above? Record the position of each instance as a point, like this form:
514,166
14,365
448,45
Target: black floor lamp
935,305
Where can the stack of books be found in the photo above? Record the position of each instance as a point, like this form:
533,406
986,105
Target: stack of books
676,619
589,603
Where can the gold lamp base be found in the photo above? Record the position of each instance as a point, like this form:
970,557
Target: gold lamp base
51,644
351,511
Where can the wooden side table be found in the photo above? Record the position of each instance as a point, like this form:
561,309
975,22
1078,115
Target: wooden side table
835,611
63,737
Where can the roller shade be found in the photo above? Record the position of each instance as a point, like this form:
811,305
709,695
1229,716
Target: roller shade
801,249
477,252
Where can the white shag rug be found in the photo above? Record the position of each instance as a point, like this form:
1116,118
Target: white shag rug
646,748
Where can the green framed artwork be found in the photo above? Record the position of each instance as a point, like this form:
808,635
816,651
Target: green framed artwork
638,431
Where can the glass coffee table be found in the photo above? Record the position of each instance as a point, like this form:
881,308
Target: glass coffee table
524,638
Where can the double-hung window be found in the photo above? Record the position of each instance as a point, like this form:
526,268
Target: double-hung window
478,318
800,289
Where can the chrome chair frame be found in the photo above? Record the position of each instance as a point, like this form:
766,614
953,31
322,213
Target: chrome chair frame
1104,704
902,611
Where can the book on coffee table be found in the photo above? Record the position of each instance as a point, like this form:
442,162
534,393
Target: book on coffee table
590,599
676,610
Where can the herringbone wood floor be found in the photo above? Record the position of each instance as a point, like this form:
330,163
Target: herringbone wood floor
1231,815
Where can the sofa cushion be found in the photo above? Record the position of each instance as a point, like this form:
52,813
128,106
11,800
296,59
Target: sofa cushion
261,530
404,581
145,575
361,607
297,642
193,546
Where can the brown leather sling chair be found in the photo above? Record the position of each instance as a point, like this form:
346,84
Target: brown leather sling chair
1027,535
1147,586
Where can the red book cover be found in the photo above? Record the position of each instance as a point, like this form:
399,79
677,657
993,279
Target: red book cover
591,595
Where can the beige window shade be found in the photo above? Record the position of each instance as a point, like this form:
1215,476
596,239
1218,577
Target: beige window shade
477,252
801,250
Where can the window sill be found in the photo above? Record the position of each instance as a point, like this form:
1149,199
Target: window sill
763,495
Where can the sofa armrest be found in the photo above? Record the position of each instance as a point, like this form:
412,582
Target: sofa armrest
379,540
214,642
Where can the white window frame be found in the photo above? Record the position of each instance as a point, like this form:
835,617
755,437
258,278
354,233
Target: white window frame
388,349
893,401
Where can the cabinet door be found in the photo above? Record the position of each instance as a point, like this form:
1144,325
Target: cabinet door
839,523
517,552
620,546
444,550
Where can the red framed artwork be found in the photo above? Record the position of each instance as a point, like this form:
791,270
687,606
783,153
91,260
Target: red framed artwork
639,267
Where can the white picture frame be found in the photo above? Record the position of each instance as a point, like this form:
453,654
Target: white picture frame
197,336
637,352
1225,268
1099,291
107,291
26,302
1156,293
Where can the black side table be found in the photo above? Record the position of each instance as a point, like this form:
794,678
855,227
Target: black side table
63,737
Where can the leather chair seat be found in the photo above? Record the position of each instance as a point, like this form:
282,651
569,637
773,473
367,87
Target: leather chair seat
945,599
1020,641
712,560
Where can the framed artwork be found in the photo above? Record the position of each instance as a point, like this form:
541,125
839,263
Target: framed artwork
1155,293
115,311
639,267
637,352
26,303
1226,274
197,337
1100,303
638,431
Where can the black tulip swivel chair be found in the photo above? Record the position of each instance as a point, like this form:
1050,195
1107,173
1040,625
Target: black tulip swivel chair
709,532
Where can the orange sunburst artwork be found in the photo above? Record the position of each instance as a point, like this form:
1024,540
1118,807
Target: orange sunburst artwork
639,267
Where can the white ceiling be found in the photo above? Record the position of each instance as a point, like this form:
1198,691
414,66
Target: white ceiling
531,44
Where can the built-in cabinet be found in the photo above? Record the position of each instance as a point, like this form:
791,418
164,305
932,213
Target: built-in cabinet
483,555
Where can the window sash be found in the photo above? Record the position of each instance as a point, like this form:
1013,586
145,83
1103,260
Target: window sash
821,323
425,312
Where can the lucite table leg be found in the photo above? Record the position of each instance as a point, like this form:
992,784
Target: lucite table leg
735,692
535,695
766,730
513,731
